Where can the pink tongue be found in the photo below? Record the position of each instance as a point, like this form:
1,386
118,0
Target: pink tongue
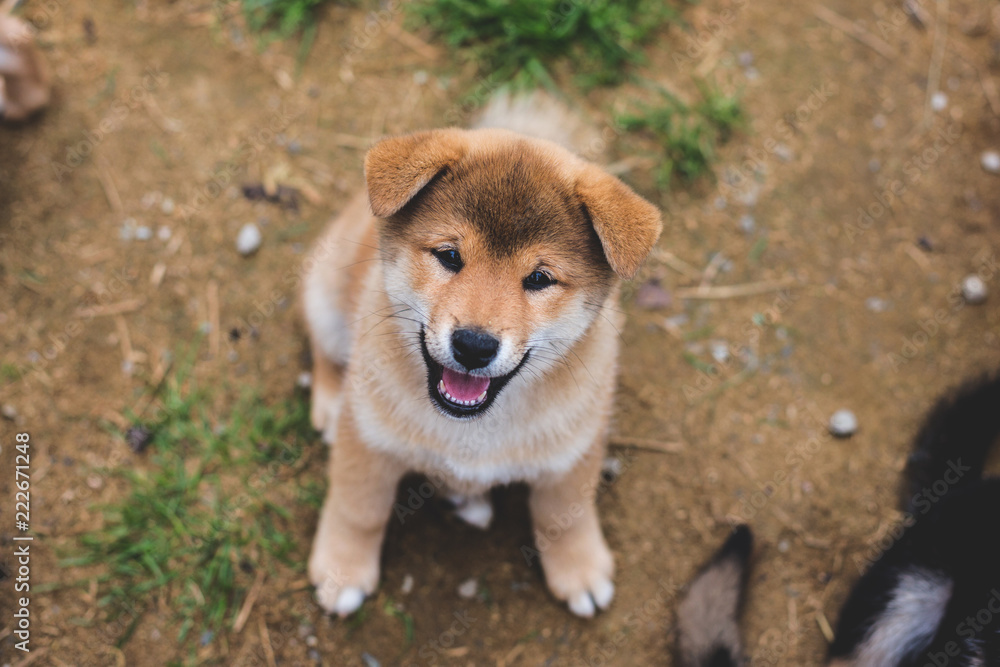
464,387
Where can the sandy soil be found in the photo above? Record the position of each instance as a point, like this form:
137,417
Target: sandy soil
168,100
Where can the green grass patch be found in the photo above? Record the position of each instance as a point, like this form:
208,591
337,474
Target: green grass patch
519,41
698,364
206,511
687,134
393,611
281,18
757,250
700,333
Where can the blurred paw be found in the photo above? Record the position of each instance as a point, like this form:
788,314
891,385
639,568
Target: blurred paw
475,510
341,582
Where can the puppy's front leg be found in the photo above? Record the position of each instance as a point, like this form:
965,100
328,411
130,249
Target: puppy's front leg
578,564
344,565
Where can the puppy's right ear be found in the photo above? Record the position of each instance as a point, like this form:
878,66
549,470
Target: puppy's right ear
397,168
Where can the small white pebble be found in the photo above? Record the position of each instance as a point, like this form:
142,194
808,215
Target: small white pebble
878,121
248,239
612,467
719,351
95,481
784,153
407,586
468,589
990,161
843,423
163,233
783,546
143,233
167,205
876,304
747,223
939,101
127,230
973,289
311,641
9,411
305,380
151,199
420,77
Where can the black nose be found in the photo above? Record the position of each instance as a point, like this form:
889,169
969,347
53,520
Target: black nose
473,349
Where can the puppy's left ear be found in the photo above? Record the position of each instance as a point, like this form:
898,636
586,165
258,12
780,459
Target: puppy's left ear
396,169
627,224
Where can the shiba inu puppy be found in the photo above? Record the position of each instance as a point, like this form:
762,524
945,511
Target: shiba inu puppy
933,598
24,77
463,321
708,632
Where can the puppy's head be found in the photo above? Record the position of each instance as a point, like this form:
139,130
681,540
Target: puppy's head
501,250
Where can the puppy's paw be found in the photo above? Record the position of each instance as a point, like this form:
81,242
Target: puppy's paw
475,510
342,602
582,577
341,582
585,603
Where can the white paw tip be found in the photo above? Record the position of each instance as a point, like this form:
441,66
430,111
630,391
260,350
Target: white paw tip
349,601
603,591
582,604
477,512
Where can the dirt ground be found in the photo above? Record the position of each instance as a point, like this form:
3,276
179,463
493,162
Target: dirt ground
158,101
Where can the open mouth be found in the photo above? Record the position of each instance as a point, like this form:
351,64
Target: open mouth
462,395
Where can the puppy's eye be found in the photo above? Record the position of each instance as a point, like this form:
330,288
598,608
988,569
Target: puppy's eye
538,280
449,258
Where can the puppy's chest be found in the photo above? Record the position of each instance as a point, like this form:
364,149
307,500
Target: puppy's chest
497,449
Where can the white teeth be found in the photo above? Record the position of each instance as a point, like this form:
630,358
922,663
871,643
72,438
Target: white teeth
444,392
